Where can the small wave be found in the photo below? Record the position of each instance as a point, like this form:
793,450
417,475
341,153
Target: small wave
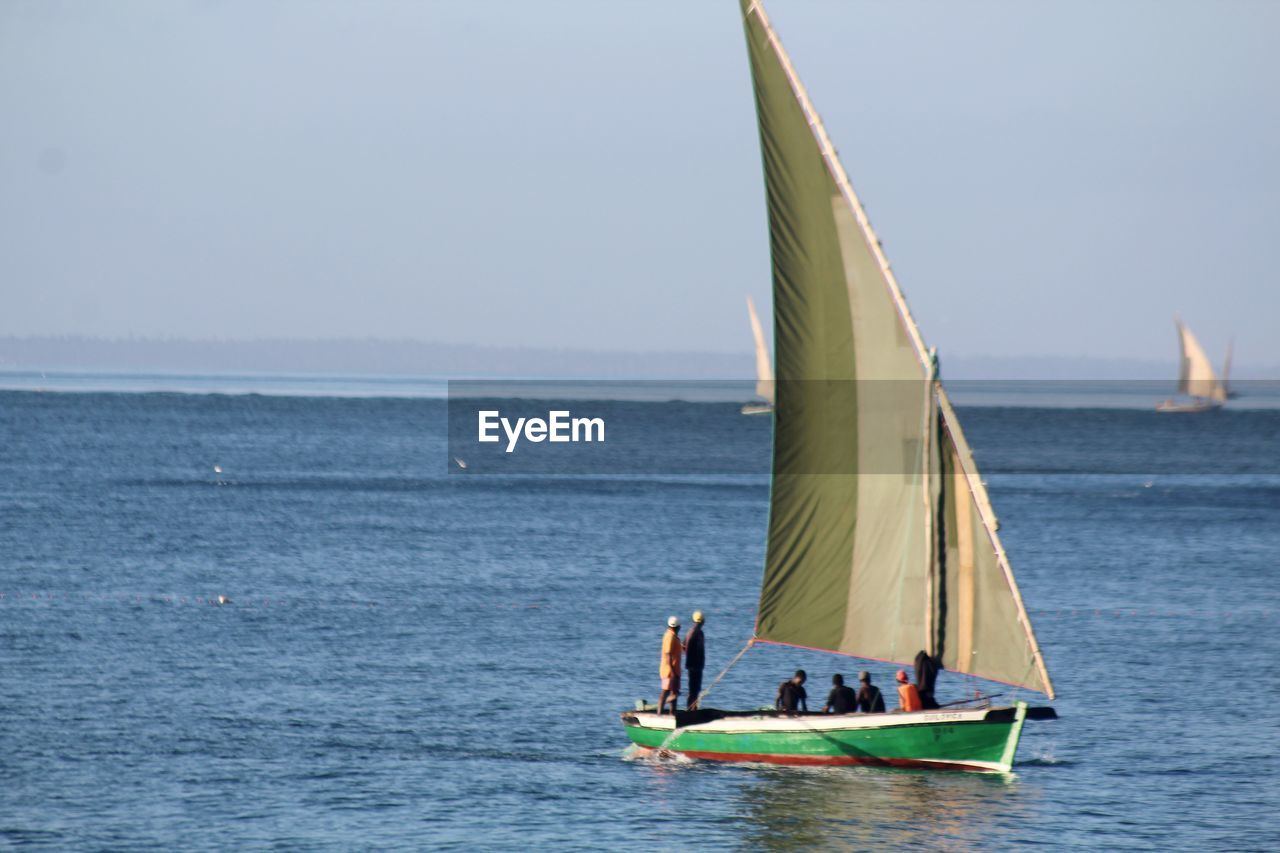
26,835
649,755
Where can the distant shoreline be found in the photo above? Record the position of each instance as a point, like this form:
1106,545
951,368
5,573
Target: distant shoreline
408,358
356,357
968,393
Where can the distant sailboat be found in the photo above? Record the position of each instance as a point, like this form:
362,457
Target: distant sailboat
1226,372
764,368
1196,379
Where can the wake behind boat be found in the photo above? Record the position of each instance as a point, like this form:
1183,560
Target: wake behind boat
882,541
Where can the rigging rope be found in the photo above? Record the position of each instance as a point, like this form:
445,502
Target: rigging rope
662,747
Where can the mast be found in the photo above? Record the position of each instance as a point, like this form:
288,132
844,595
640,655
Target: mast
1226,367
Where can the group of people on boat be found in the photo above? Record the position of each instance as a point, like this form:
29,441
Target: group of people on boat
689,656
868,699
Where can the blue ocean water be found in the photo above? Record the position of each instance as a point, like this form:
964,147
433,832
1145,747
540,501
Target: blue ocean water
420,658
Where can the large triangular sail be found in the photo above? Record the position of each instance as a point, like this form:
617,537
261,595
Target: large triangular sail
764,368
881,537
1195,374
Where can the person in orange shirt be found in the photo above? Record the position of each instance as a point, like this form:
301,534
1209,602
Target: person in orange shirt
669,665
908,695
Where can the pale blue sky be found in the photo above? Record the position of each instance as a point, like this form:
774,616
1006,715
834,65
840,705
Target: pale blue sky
1050,179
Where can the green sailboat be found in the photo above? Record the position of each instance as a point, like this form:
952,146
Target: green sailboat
882,541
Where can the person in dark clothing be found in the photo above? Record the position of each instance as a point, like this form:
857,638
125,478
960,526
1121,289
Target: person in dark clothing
791,695
841,699
695,657
926,676
870,701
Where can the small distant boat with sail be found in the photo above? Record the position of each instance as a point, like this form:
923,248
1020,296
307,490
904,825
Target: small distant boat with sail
882,543
1200,388
764,368
1226,372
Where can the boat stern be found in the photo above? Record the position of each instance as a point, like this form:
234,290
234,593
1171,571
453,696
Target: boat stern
647,729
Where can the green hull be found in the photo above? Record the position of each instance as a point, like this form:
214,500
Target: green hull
972,740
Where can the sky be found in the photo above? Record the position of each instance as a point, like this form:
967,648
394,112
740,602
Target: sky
1048,179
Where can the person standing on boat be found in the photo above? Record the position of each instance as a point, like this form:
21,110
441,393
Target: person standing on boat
908,695
841,699
791,695
695,657
927,668
669,666
870,700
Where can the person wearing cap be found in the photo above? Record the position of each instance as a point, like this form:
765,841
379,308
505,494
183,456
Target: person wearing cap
669,666
791,696
695,657
908,695
841,699
870,700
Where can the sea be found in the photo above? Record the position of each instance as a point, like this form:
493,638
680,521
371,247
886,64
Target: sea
413,654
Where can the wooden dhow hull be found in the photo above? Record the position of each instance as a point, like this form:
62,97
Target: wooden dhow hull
982,739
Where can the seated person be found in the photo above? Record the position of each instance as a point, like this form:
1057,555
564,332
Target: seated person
870,700
841,699
791,695
908,695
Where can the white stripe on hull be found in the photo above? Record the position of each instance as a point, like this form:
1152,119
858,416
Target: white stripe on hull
815,722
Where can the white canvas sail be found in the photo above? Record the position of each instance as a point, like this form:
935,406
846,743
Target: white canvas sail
764,368
1195,376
